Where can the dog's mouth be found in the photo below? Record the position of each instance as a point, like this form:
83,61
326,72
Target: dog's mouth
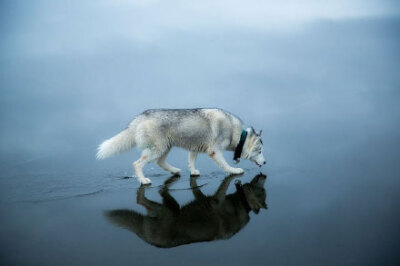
259,165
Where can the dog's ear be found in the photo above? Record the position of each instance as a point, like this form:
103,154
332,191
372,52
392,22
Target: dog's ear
253,131
264,205
259,133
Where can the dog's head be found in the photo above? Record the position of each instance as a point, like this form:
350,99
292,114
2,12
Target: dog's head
255,193
253,147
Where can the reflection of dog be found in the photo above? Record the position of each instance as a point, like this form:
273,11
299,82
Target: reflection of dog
197,130
205,219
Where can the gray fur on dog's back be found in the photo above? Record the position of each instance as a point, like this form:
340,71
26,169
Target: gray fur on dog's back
192,129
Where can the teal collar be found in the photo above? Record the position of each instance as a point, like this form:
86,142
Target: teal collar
239,147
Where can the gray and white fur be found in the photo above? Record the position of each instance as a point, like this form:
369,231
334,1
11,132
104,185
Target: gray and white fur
209,131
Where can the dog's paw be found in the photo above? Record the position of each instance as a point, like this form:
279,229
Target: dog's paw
237,171
145,181
195,173
175,171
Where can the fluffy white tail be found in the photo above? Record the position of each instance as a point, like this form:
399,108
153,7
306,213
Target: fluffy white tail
121,142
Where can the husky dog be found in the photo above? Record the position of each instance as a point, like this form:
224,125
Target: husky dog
210,131
206,218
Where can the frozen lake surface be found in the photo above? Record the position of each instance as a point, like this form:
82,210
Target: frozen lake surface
337,208
326,97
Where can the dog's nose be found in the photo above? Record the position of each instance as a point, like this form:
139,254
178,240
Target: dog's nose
265,162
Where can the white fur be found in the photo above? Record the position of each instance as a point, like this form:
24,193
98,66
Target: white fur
120,143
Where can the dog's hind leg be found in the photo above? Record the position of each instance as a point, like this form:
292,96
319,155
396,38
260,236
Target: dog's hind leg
154,209
168,201
192,160
166,166
148,155
219,159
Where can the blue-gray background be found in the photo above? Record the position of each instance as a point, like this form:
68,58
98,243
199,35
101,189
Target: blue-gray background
321,79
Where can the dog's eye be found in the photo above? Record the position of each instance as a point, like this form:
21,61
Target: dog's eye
259,152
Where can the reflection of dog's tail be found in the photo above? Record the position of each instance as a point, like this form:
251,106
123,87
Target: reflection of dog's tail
123,141
128,219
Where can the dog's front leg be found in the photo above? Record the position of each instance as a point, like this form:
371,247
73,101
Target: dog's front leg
219,159
192,168
221,191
